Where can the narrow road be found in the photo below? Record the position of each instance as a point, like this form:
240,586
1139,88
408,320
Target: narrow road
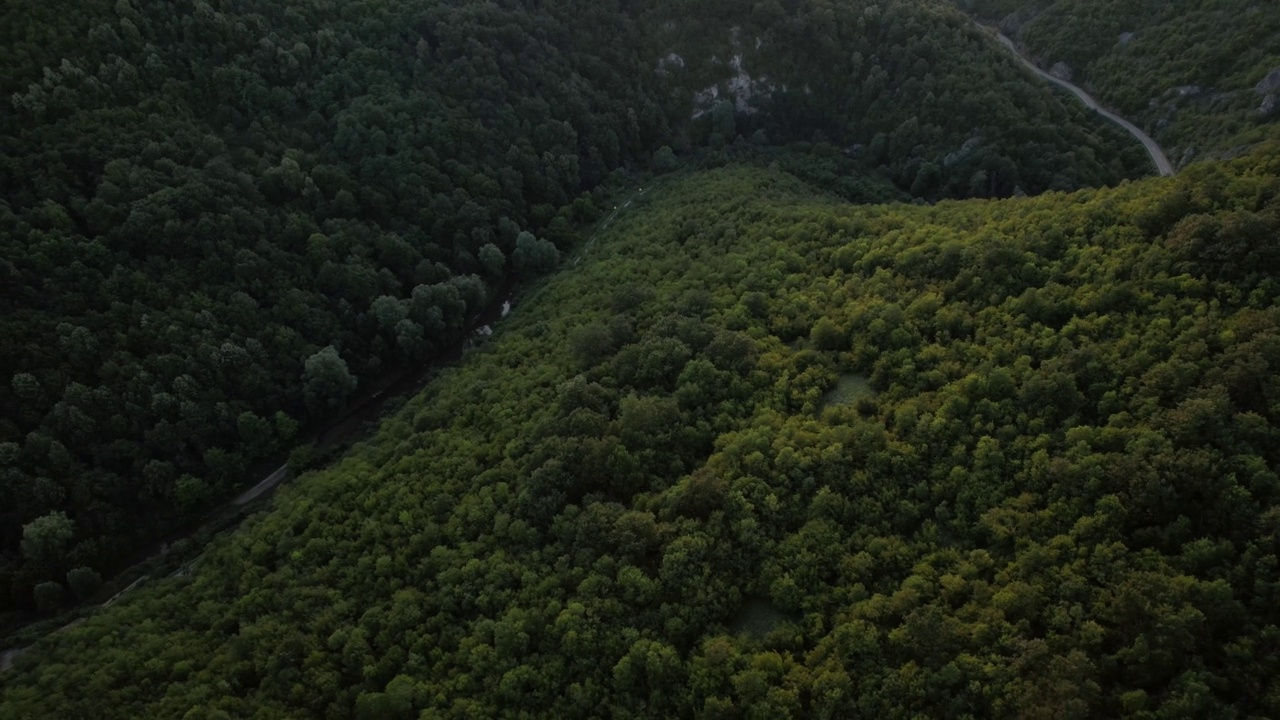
339,433
605,224
266,484
1157,155
370,408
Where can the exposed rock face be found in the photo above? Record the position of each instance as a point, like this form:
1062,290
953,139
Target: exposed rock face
1061,70
742,86
704,99
1126,38
1270,84
1268,88
739,85
964,151
671,62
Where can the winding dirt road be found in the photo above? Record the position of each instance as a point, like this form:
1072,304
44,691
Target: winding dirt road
1153,149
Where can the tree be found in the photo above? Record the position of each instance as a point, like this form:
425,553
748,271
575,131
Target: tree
664,160
83,581
826,335
327,381
724,124
286,428
303,458
27,388
647,421
189,491
45,539
590,344
471,291
493,260
534,255
389,311
254,430
926,181
410,338
49,596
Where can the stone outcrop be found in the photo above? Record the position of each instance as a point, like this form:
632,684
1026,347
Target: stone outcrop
1269,88
1270,84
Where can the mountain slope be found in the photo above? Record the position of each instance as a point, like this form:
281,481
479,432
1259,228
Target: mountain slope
1052,485
222,221
909,87
1193,74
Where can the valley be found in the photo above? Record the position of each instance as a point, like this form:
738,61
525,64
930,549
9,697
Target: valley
654,456
681,360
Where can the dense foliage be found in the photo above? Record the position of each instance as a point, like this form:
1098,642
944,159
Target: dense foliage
218,219
1054,493
215,221
911,88
1189,72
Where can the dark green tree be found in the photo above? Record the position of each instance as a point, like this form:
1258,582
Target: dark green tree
327,380
83,581
534,255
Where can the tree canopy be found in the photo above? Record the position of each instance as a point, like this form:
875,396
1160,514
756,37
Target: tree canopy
1194,74
852,373
200,197
1052,491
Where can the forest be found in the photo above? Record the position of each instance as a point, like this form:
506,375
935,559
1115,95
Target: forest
853,371
1044,484
1201,76
220,222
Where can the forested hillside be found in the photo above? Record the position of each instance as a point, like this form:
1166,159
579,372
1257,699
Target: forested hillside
910,88
1202,76
1044,487
199,203
217,220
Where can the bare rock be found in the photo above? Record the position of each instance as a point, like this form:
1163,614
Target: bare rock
1270,84
670,63
965,150
1062,71
1126,38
